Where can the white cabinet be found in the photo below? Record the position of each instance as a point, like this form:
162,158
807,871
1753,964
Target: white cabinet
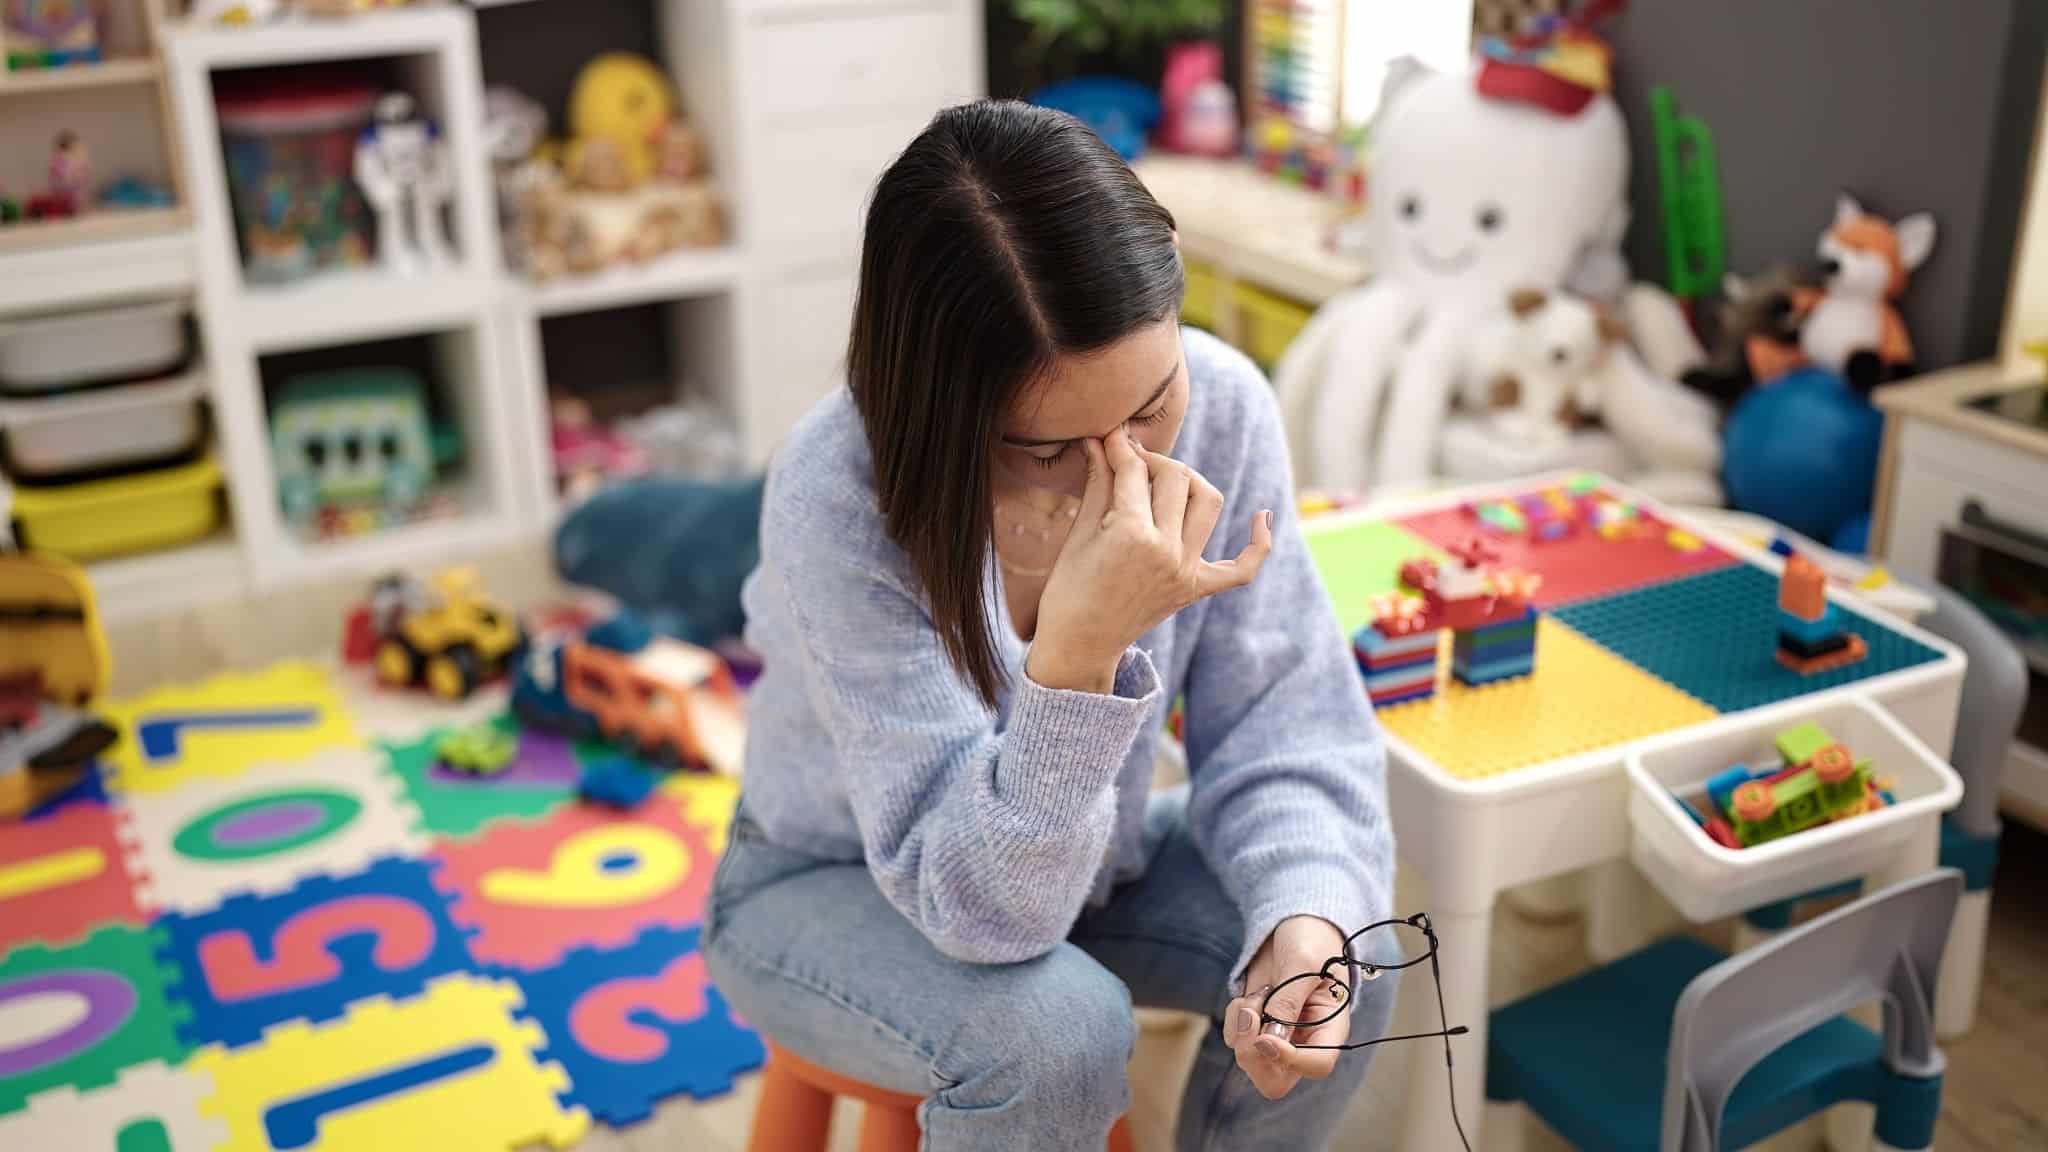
829,91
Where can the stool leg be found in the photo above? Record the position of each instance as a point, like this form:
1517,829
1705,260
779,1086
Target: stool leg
888,1130
1962,966
792,1116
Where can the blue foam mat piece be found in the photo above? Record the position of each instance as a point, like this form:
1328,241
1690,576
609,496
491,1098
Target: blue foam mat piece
318,948
647,994
1714,636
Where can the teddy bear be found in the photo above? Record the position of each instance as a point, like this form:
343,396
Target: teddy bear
1534,373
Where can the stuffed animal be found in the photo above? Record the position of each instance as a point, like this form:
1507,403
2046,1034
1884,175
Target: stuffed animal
1473,198
623,99
1535,372
1866,260
1758,336
674,551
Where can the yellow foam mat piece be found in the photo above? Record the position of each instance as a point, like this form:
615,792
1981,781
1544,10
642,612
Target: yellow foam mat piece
224,726
707,801
1580,698
450,1069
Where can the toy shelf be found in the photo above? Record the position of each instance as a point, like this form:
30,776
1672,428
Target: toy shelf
677,275
356,304
109,74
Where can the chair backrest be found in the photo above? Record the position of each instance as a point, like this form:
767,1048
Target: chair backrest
1887,945
1994,695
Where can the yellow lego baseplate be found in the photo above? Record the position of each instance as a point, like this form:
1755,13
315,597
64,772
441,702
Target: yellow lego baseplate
1580,698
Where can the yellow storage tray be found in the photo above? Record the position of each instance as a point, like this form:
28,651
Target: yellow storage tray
1267,324
139,513
1198,303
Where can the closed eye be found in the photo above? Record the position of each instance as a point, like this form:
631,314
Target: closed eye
1157,415
1055,458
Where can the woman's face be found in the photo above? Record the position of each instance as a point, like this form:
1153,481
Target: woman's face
1039,469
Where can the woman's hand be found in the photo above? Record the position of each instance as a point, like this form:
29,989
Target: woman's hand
1275,1065
1134,558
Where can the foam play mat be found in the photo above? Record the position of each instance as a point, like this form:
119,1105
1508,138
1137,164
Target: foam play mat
1646,627
267,932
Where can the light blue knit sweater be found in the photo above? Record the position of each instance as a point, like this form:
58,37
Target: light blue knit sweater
989,829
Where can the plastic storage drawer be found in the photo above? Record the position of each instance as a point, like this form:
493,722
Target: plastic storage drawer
42,354
128,426
139,513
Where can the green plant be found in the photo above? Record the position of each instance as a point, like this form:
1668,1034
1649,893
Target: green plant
1083,27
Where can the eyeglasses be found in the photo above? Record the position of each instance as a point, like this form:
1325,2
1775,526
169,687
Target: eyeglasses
1328,992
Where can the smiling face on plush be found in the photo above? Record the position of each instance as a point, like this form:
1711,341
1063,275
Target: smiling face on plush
1473,198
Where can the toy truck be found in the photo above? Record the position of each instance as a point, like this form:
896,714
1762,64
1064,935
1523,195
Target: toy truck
675,703
448,637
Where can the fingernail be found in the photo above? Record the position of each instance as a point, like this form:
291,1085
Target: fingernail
1242,1020
1266,519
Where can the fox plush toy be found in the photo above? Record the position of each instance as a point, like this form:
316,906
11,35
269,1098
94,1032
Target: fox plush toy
1865,260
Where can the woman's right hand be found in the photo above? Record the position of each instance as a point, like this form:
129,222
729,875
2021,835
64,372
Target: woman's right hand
1133,558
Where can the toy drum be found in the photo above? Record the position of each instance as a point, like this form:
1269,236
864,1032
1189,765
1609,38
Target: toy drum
290,150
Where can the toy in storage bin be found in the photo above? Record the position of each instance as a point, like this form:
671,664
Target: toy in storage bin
1706,880
290,151
138,513
354,438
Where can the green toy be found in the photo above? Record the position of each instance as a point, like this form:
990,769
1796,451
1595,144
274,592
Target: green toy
1821,782
354,438
1689,186
483,750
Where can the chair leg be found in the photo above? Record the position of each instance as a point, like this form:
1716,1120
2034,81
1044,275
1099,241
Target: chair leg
792,1116
1962,966
888,1130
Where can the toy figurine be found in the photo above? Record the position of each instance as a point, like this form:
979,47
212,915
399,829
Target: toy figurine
70,187
1867,259
402,167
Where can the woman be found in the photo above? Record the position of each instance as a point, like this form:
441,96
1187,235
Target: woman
1039,513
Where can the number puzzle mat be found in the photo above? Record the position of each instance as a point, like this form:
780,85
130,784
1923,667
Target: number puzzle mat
1645,627
257,930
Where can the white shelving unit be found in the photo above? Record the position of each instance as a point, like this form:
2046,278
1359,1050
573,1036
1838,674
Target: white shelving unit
801,104
436,52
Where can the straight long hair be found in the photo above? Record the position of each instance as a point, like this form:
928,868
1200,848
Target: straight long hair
1005,236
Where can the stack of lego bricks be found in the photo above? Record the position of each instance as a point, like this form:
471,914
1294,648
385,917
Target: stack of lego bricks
1811,636
1501,650
1397,653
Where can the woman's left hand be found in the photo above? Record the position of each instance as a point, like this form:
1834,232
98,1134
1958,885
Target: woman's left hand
1300,944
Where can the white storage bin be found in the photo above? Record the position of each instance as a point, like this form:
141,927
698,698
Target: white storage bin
1707,881
132,424
49,353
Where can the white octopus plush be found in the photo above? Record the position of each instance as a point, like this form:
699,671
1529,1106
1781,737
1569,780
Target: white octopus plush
1472,199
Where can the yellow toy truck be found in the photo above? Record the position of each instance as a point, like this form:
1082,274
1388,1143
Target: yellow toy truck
446,635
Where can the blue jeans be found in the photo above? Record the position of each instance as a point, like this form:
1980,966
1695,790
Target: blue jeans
1009,1056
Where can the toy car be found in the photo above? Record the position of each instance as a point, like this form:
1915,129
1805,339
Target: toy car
484,750
673,702
449,637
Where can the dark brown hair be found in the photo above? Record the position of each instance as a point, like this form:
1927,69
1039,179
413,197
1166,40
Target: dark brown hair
1004,236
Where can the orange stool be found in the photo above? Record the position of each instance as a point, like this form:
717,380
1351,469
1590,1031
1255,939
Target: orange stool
795,1112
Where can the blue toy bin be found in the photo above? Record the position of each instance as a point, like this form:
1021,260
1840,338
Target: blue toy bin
1706,880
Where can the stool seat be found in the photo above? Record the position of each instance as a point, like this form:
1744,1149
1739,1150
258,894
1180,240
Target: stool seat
1589,1057
795,1111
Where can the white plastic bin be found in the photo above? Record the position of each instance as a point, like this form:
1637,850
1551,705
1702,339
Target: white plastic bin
50,353
1706,881
128,425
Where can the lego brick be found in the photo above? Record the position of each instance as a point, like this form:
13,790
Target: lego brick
1849,655
1370,644
1802,588
1359,561
1584,563
450,1068
62,876
1798,745
636,1025
222,727
1803,650
264,830
580,877
1493,673
77,1016
1401,678
1715,638
1402,695
1580,698
543,777
148,1106
258,961
1810,631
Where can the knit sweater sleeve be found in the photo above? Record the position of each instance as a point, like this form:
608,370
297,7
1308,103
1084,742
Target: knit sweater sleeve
1287,767
985,835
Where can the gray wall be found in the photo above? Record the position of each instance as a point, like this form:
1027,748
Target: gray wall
1906,104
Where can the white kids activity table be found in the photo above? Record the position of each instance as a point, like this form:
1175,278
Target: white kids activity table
1652,636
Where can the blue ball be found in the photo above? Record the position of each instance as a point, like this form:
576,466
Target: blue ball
1803,451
